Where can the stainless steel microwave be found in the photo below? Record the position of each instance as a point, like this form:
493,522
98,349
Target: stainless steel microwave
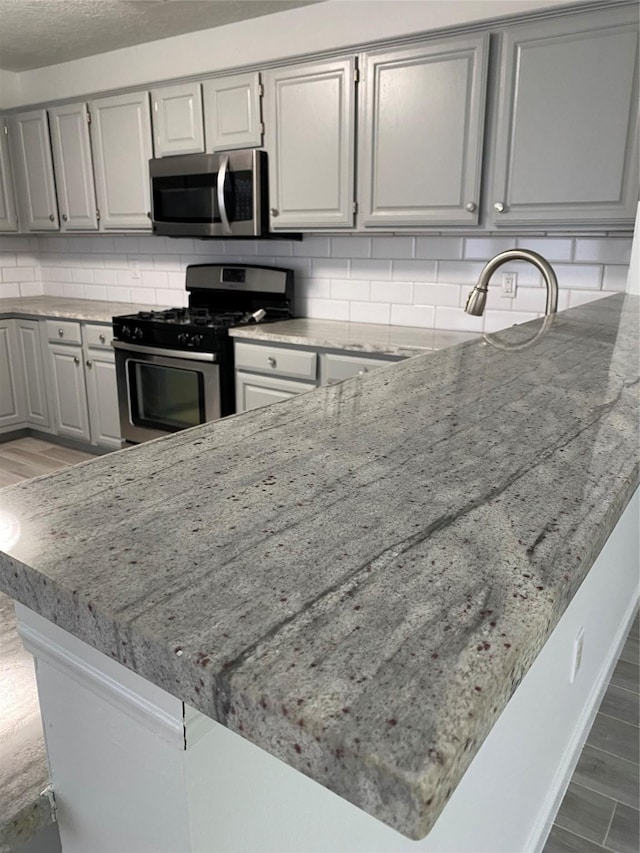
210,195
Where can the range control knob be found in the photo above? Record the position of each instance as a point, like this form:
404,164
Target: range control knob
126,331
196,340
137,334
183,339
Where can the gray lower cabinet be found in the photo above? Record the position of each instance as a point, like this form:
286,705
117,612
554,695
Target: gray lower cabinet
33,171
102,393
269,374
310,133
73,167
121,141
8,214
566,148
32,373
68,392
421,133
11,392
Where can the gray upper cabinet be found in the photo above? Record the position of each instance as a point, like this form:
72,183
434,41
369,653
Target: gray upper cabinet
177,120
73,167
33,171
421,133
121,140
8,215
566,140
232,112
310,133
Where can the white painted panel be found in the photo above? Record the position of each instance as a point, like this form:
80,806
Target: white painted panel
254,391
69,394
8,215
11,404
30,353
73,167
232,112
33,171
102,395
177,119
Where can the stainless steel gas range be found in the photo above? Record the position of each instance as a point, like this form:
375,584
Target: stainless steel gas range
174,368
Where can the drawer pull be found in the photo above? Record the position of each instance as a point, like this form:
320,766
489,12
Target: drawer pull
89,363
76,360
61,333
52,217
362,371
272,362
102,339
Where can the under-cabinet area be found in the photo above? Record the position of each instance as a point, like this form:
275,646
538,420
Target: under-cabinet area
527,122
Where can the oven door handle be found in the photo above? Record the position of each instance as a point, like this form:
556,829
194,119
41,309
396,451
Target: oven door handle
222,179
211,357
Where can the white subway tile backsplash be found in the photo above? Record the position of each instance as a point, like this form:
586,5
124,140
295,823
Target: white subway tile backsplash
577,276
152,245
375,270
116,262
313,288
8,259
82,275
105,276
551,248
580,297
496,320
456,320
392,247
102,244
169,298
126,245
410,270
73,290
615,278
329,268
484,248
18,273
155,279
176,280
437,294
439,248
31,288
392,291
10,290
369,312
350,247
96,291
413,315
346,289
312,246
119,294
526,299
124,278
458,272
609,250
325,309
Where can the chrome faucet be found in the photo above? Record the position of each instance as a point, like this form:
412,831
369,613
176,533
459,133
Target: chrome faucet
478,296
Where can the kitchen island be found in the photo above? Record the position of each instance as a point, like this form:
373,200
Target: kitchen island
356,580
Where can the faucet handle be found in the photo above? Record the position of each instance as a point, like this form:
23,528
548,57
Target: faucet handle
499,207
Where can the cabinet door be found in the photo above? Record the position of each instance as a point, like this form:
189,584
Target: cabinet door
12,412
254,391
566,141
310,130
70,413
8,216
232,112
32,368
73,167
121,140
33,171
421,139
177,120
335,367
102,395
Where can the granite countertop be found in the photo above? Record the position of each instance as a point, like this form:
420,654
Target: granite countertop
90,310
355,579
363,337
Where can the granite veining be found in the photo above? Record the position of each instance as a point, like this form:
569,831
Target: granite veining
359,337
356,579
90,310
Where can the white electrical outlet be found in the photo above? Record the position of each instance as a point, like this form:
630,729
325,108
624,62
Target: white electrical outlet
509,284
576,657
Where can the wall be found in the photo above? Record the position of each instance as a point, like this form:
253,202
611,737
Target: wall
415,281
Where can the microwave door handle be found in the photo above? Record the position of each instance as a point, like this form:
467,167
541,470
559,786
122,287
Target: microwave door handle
222,178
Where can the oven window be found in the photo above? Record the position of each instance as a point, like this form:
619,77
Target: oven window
165,398
193,198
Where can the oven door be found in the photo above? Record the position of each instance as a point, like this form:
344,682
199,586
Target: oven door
162,391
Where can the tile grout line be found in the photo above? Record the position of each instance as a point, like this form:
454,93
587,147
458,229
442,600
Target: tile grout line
613,814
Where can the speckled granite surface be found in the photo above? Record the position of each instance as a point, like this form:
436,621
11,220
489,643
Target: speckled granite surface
91,310
357,579
23,761
359,337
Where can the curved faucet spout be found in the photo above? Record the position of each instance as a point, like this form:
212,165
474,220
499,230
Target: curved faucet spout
478,297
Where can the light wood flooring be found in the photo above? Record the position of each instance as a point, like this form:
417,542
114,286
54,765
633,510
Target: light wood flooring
599,813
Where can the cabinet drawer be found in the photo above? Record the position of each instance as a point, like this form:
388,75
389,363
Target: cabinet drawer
276,360
64,331
98,337
335,368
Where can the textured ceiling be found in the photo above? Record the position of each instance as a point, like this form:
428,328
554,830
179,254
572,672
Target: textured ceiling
35,33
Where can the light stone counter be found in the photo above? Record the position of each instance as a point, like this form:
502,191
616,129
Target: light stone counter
357,579
360,337
89,310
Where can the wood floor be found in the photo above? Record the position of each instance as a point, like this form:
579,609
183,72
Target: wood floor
599,813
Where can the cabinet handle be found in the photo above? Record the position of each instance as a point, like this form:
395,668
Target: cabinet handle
148,214
499,206
52,217
272,362
273,211
362,371
76,360
64,217
102,339
470,206
89,363
61,333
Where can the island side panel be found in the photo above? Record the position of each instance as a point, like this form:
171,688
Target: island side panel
131,771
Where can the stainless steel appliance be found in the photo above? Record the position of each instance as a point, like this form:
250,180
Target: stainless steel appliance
210,195
174,367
